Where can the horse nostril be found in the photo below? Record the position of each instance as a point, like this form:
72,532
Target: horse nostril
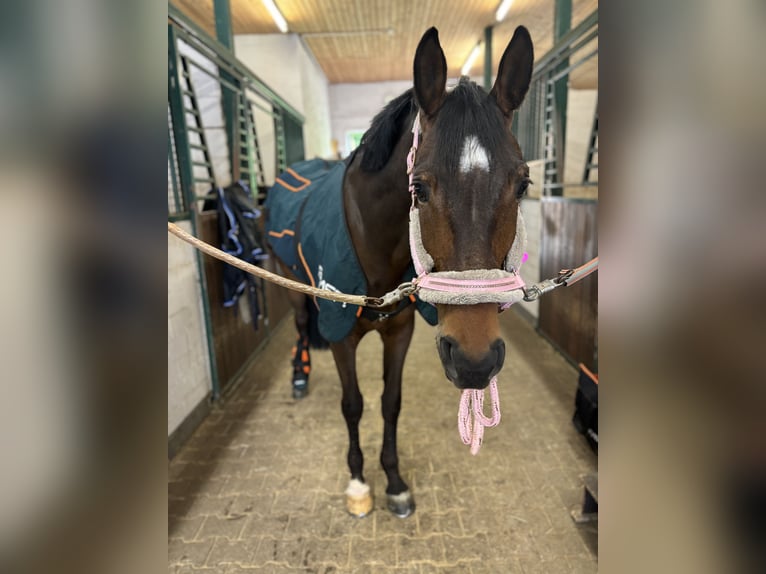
447,350
499,348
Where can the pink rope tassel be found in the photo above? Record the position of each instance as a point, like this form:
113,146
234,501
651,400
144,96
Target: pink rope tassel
472,402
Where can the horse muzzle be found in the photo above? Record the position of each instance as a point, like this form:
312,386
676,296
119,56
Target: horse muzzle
468,372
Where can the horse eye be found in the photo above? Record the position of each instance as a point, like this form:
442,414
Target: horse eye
522,188
421,191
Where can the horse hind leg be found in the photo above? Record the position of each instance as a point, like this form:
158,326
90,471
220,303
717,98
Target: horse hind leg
396,341
358,495
301,360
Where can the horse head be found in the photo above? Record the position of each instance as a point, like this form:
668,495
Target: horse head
468,179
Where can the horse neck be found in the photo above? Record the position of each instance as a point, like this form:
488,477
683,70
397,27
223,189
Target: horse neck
377,206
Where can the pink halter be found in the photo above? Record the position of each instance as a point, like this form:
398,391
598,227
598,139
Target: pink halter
464,287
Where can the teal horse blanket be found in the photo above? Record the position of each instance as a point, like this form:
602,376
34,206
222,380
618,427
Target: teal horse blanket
306,228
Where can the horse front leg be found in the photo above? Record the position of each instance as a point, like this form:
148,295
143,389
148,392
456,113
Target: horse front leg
396,340
358,495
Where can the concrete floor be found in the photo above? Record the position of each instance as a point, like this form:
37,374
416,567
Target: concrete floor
259,486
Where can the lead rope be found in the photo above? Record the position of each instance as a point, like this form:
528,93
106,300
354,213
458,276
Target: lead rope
472,403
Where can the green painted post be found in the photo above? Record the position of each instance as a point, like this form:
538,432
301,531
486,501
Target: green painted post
223,23
488,58
222,10
186,175
562,23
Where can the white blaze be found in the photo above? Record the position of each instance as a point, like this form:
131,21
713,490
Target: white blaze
474,156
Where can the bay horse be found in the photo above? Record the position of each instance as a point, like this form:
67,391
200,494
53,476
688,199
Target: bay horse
468,179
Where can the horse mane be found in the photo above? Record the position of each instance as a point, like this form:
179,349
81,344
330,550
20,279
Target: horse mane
379,140
468,110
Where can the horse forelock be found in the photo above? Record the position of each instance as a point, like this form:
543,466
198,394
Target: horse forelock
470,130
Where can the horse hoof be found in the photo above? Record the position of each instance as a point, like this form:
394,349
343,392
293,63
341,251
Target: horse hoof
402,504
358,498
300,388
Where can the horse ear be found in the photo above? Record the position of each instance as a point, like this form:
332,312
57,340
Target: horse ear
514,72
430,73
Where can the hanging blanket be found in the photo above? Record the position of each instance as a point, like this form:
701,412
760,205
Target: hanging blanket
239,236
306,228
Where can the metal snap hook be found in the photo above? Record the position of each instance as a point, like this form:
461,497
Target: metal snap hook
531,294
563,276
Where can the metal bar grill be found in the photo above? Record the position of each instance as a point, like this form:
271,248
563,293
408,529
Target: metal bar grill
538,134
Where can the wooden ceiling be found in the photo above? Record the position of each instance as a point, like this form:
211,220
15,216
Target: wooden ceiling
372,40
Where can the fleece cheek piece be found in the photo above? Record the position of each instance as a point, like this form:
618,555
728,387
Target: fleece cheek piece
420,258
424,263
515,256
469,287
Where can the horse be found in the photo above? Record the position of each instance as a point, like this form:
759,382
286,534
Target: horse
466,182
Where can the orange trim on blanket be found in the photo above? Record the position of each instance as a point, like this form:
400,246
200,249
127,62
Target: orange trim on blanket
303,180
308,271
587,371
282,233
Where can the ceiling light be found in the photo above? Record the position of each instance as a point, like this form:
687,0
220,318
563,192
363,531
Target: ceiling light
471,59
365,32
276,14
502,10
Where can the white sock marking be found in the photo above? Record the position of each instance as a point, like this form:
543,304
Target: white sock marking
357,489
474,156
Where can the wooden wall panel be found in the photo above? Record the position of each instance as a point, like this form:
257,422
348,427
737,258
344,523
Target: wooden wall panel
569,315
234,340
